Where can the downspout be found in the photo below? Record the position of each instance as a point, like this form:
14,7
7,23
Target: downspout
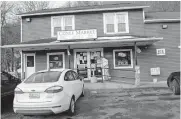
68,53
12,62
137,68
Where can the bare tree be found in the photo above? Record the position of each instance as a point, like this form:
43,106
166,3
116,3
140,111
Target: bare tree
28,6
82,3
5,7
11,33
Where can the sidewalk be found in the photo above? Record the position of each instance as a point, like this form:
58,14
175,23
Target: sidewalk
114,85
107,85
151,84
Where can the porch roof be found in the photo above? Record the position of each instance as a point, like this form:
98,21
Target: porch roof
116,41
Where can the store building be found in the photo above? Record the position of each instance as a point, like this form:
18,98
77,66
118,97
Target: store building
123,34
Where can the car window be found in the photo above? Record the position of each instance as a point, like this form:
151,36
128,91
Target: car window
75,75
4,78
69,76
44,77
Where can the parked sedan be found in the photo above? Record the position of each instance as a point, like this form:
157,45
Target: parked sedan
173,82
47,92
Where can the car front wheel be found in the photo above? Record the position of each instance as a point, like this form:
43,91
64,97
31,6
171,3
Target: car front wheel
71,110
175,87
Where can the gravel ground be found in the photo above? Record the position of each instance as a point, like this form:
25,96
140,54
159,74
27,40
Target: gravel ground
139,103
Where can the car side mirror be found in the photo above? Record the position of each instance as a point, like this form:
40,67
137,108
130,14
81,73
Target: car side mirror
80,78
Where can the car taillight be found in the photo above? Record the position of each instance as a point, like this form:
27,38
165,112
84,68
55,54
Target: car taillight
54,89
18,91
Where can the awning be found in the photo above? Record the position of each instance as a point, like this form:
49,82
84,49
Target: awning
44,44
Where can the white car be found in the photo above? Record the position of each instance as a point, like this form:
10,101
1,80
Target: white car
48,92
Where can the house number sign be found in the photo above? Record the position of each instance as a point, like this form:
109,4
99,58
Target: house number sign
155,71
160,51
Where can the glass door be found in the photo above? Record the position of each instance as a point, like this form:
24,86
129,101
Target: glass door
88,63
96,64
81,63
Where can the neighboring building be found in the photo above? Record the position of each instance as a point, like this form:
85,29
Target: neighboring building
123,34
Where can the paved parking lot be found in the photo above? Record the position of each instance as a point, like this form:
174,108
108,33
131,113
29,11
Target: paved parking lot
139,103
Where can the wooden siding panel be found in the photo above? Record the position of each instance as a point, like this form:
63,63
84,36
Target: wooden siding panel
171,61
41,61
118,74
38,28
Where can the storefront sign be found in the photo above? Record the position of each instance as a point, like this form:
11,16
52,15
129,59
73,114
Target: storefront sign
160,51
155,71
77,34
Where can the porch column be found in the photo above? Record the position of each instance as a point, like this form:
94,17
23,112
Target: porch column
68,53
22,66
137,68
12,62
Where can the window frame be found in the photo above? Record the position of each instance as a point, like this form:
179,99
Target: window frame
55,53
116,22
62,23
123,67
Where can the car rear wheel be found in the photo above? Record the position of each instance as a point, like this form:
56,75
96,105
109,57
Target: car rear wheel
175,87
71,110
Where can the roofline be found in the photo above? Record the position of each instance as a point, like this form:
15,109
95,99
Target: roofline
72,43
161,20
77,11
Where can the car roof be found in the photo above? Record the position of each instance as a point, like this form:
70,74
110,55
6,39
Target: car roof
60,70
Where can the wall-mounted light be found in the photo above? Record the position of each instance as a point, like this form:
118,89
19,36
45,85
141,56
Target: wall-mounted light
28,19
164,26
138,50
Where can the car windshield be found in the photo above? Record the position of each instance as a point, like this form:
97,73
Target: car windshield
43,77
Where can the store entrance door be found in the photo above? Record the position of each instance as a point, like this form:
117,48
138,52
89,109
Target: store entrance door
87,62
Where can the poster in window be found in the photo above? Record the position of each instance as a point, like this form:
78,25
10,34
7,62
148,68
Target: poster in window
122,58
56,61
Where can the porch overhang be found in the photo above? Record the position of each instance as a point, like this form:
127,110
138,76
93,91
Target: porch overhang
90,43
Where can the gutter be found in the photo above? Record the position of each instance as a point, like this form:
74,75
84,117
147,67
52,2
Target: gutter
78,11
161,21
88,42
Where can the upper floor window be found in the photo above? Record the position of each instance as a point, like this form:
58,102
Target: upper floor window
62,23
116,23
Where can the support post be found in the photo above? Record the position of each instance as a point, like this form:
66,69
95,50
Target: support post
137,68
135,50
12,62
68,53
22,66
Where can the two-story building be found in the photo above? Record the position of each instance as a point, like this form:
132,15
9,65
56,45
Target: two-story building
123,34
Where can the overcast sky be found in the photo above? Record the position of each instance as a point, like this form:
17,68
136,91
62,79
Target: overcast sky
56,4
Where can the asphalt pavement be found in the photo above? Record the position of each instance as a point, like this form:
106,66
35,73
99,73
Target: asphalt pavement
134,103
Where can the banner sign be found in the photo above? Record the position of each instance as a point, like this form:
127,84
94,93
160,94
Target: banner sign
77,34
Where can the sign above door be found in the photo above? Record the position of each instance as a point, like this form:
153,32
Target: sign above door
77,34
